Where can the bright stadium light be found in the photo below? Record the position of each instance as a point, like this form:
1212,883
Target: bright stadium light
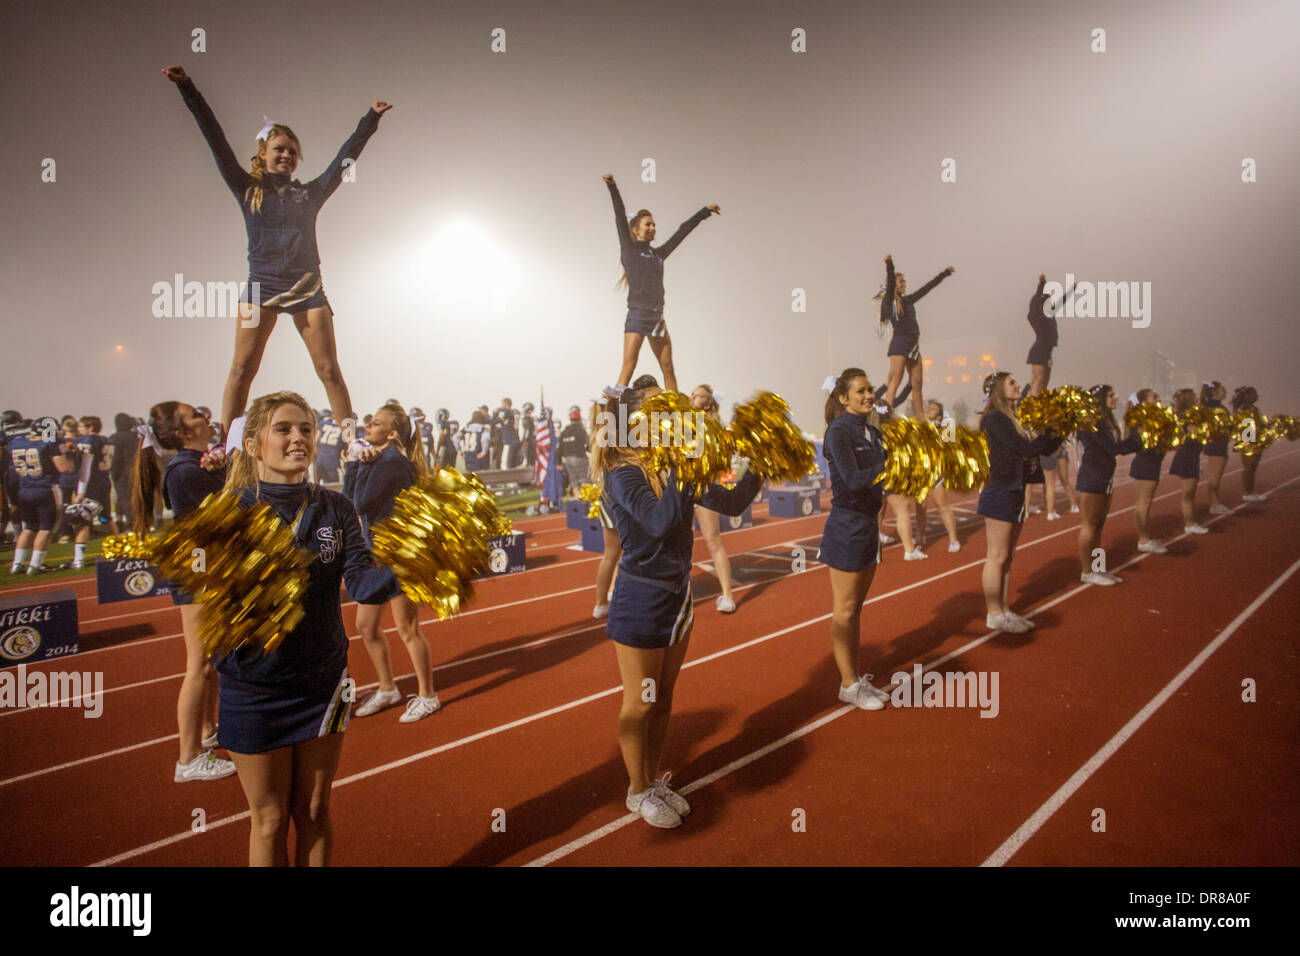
464,266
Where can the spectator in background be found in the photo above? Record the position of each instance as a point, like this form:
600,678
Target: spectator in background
509,420
329,448
67,481
494,441
475,441
573,450
445,450
530,435
124,442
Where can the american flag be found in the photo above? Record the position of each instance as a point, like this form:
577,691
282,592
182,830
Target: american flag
545,475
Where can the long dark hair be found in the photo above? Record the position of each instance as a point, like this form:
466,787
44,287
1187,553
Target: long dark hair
1105,414
1207,391
1244,397
146,475
834,409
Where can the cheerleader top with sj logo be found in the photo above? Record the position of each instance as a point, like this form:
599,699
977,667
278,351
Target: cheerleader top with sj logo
282,235
324,524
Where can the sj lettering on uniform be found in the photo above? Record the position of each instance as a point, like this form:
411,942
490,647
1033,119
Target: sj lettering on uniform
134,910
20,689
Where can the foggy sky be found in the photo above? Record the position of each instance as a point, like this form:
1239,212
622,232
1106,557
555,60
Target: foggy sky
1124,165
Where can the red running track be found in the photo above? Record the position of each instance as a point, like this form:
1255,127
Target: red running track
1096,711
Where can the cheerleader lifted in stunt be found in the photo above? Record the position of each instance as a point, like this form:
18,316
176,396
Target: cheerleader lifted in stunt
280,217
899,310
643,273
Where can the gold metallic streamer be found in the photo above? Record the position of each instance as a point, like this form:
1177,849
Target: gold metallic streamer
1064,410
129,545
673,434
1245,421
1156,425
763,432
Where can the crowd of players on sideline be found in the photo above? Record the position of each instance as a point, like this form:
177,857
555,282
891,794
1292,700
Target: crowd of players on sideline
98,467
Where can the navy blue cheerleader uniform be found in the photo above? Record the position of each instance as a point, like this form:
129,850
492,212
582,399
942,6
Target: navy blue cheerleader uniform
1046,334
33,462
282,253
1097,469
652,605
644,265
907,333
1187,460
1218,448
298,691
1146,465
855,457
1003,495
185,484
377,486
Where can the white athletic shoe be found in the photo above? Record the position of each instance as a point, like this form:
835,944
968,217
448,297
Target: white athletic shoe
1053,516
885,539
206,766
725,604
1028,624
670,796
18,569
1220,510
916,554
1094,577
954,547
1113,576
881,695
1152,547
210,741
1195,529
1254,497
859,694
379,700
418,708
1074,509
654,809
1035,510
1005,622
600,610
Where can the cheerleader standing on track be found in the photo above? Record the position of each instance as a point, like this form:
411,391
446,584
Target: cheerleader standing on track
1186,466
1145,472
1244,399
1095,480
1002,499
399,463
1216,452
850,544
283,713
653,609
705,399
1042,319
899,309
939,495
643,271
188,478
36,462
282,252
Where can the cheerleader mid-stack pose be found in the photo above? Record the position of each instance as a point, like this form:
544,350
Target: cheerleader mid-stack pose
379,481
36,462
705,399
899,310
1002,499
850,545
280,216
652,610
643,271
1244,399
1216,452
1043,310
1096,478
189,477
1145,472
1186,465
934,411
283,713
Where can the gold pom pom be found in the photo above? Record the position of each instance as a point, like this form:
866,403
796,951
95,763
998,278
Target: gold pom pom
1064,410
590,493
964,461
129,545
673,434
1285,426
436,539
243,565
763,432
1156,425
915,457
1251,433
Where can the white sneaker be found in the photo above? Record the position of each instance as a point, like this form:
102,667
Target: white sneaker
916,554
653,809
418,708
379,700
859,694
18,569
1074,509
1152,547
954,547
1005,622
206,766
881,695
600,610
1195,529
1094,577
670,796
1220,510
1053,516
1253,497
210,741
1035,510
885,539
724,604
1113,576
1026,622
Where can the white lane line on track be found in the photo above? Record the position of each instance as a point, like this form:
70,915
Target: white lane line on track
1039,817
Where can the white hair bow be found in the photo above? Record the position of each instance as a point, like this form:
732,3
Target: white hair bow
881,408
1133,399
613,391
717,399
829,384
150,439
235,436
265,131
